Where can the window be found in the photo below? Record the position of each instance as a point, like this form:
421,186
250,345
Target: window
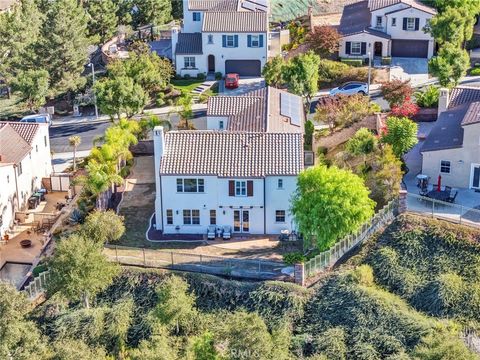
280,183
191,217
189,61
379,22
240,188
36,148
230,41
280,216
356,48
394,21
191,185
8,179
210,39
169,217
45,140
255,42
196,16
20,170
213,217
410,23
445,166
220,125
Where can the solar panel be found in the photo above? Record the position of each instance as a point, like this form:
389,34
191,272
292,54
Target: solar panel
292,107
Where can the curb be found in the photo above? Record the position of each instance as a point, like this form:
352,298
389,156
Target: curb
80,122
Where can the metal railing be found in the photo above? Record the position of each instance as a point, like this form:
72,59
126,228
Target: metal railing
37,286
328,258
443,210
216,265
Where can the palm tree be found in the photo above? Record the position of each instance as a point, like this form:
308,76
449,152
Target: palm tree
148,123
100,177
74,141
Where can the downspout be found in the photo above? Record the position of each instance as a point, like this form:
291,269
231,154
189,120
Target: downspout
264,208
161,202
16,186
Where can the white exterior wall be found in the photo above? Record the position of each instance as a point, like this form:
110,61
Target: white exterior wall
190,26
242,52
200,63
382,12
279,199
369,39
213,122
7,197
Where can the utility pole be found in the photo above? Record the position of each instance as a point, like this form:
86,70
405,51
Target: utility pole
93,83
369,71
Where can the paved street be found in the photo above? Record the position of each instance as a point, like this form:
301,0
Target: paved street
88,132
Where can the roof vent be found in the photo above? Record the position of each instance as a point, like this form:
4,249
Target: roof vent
436,141
444,128
455,139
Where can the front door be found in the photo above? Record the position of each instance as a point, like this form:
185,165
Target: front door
378,48
241,221
475,176
211,63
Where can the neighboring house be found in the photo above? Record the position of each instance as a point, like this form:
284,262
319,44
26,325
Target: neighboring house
386,28
24,160
452,149
226,36
243,176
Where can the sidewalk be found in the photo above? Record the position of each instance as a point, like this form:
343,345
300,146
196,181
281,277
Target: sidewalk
61,161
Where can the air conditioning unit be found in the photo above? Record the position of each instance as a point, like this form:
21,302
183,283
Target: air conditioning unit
308,158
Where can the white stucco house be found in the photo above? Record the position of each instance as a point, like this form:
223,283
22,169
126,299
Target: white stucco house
226,36
386,28
452,149
241,172
24,160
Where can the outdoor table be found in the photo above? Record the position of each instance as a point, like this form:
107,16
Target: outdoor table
439,195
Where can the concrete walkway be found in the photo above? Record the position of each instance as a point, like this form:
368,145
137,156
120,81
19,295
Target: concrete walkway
61,161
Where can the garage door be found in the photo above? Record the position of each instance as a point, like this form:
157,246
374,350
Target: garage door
243,67
410,48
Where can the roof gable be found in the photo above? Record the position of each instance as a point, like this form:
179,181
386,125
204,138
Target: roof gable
26,130
235,22
13,148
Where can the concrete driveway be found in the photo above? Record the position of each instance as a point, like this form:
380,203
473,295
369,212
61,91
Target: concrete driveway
413,69
245,85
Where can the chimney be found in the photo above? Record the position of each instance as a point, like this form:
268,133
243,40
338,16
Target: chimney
159,148
443,100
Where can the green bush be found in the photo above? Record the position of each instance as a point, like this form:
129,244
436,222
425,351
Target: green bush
218,75
352,62
39,269
386,60
203,98
160,100
201,76
428,97
187,76
293,258
335,73
475,71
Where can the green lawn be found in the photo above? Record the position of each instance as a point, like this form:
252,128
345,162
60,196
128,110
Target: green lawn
11,107
186,85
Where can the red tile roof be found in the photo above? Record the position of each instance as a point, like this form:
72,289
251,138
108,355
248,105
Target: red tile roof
26,130
13,148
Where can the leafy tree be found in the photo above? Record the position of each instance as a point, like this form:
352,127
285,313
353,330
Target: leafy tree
72,349
401,135
454,26
64,45
102,20
74,141
152,12
147,124
100,177
177,9
79,270
301,74
33,87
397,92
330,203
159,347
362,143
203,348
120,95
175,307
324,40
273,71
19,337
309,130
445,347
20,30
185,112
450,65
472,6
103,227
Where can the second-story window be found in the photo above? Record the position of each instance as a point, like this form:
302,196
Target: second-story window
191,185
379,22
255,41
189,62
197,16
280,184
240,188
210,39
20,170
230,41
410,24
394,21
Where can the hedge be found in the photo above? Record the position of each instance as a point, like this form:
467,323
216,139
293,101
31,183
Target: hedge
352,62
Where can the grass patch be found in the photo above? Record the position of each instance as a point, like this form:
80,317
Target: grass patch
12,107
187,85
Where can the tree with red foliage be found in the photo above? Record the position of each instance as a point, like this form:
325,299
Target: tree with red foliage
324,40
397,92
407,109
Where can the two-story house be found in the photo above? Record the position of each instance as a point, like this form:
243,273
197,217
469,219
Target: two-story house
242,172
386,28
24,160
226,36
452,148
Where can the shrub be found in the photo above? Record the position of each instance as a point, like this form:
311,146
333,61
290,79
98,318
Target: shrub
407,109
428,97
203,98
160,100
475,71
363,275
187,76
293,258
386,60
324,40
396,92
218,75
39,269
201,76
335,73
352,62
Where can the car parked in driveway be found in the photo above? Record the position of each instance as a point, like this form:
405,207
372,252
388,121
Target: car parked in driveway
350,88
231,81
38,118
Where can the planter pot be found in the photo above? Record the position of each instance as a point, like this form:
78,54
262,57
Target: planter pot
426,115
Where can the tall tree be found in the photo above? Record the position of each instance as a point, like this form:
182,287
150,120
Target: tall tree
152,12
454,25
273,71
64,47
450,65
102,21
324,40
20,29
79,269
401,135
472,6
33,87
329,204
103,227
75,142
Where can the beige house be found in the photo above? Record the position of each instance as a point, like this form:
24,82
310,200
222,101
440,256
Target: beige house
452,149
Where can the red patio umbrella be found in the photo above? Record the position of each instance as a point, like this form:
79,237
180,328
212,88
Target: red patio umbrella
439,183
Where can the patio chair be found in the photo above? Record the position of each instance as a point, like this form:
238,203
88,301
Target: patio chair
211,232
451,199
227,232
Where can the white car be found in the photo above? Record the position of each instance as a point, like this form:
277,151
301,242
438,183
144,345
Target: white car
38,118
350,88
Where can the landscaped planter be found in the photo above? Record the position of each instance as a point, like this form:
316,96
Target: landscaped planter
426,114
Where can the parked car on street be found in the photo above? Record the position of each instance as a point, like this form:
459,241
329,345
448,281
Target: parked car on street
350,88
231,81
38,118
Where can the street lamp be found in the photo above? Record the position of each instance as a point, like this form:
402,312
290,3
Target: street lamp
93,83
369,71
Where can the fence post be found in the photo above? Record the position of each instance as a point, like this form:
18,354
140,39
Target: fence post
116,253
299,274
171,254
144,261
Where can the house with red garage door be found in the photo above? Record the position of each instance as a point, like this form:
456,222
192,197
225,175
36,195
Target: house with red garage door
385,28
